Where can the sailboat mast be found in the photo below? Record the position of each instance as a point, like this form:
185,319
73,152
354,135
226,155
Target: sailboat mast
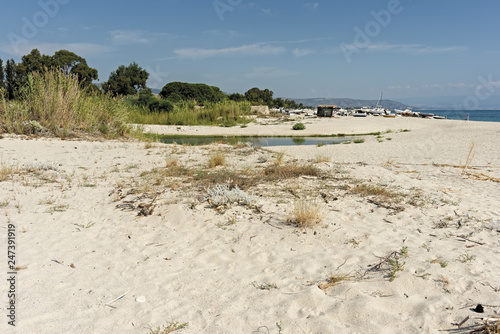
380,100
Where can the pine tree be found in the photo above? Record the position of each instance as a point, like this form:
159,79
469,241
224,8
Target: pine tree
2,75
10,78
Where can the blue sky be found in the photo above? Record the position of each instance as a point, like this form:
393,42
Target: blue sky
298,49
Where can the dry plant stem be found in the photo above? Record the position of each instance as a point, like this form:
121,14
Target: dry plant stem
469,159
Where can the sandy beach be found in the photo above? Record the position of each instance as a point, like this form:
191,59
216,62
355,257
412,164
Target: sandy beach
124,236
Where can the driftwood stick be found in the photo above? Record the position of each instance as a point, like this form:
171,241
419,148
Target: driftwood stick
119,297
466,239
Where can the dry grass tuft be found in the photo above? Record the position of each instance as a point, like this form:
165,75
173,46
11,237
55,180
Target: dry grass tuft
321,158
279,172
279,159
244,179
369,190
171,163
306,213
7,170
217,159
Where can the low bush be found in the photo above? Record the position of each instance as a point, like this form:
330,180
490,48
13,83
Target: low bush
299,126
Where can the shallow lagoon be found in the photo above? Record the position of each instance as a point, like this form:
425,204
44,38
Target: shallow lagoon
256,141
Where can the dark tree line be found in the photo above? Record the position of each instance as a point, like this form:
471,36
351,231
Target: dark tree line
264,97
15,76
126,80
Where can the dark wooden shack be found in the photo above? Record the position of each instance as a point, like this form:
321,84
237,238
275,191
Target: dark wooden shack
326,110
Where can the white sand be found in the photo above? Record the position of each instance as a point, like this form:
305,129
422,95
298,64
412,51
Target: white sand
190,264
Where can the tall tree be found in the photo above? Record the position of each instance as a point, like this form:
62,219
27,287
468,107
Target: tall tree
262,96
126,80
70,62
34,62
2,75
10,78
237,97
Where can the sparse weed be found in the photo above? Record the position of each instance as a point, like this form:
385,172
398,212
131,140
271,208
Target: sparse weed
443,280
58,208
82,226
5,202
168,328
265,286
333,280
353,242
47,201
391,264
441,262
466,258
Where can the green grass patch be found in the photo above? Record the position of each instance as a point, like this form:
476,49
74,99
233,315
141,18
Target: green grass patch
225,113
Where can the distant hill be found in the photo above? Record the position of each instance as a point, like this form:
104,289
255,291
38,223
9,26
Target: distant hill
351,103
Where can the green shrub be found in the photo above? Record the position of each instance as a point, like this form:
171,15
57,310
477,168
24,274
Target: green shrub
299,126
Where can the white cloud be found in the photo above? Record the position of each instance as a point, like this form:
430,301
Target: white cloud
413,48
267,11
311,5
81,49
269,72
221,33
246,50
302,52
122,37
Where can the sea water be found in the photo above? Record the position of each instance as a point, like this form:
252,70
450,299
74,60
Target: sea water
474,115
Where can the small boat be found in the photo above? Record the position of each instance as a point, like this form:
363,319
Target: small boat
407,112
359,114
439,117
390,115
426,115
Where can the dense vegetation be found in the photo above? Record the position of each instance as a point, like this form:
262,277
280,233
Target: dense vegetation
53,102
56,95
